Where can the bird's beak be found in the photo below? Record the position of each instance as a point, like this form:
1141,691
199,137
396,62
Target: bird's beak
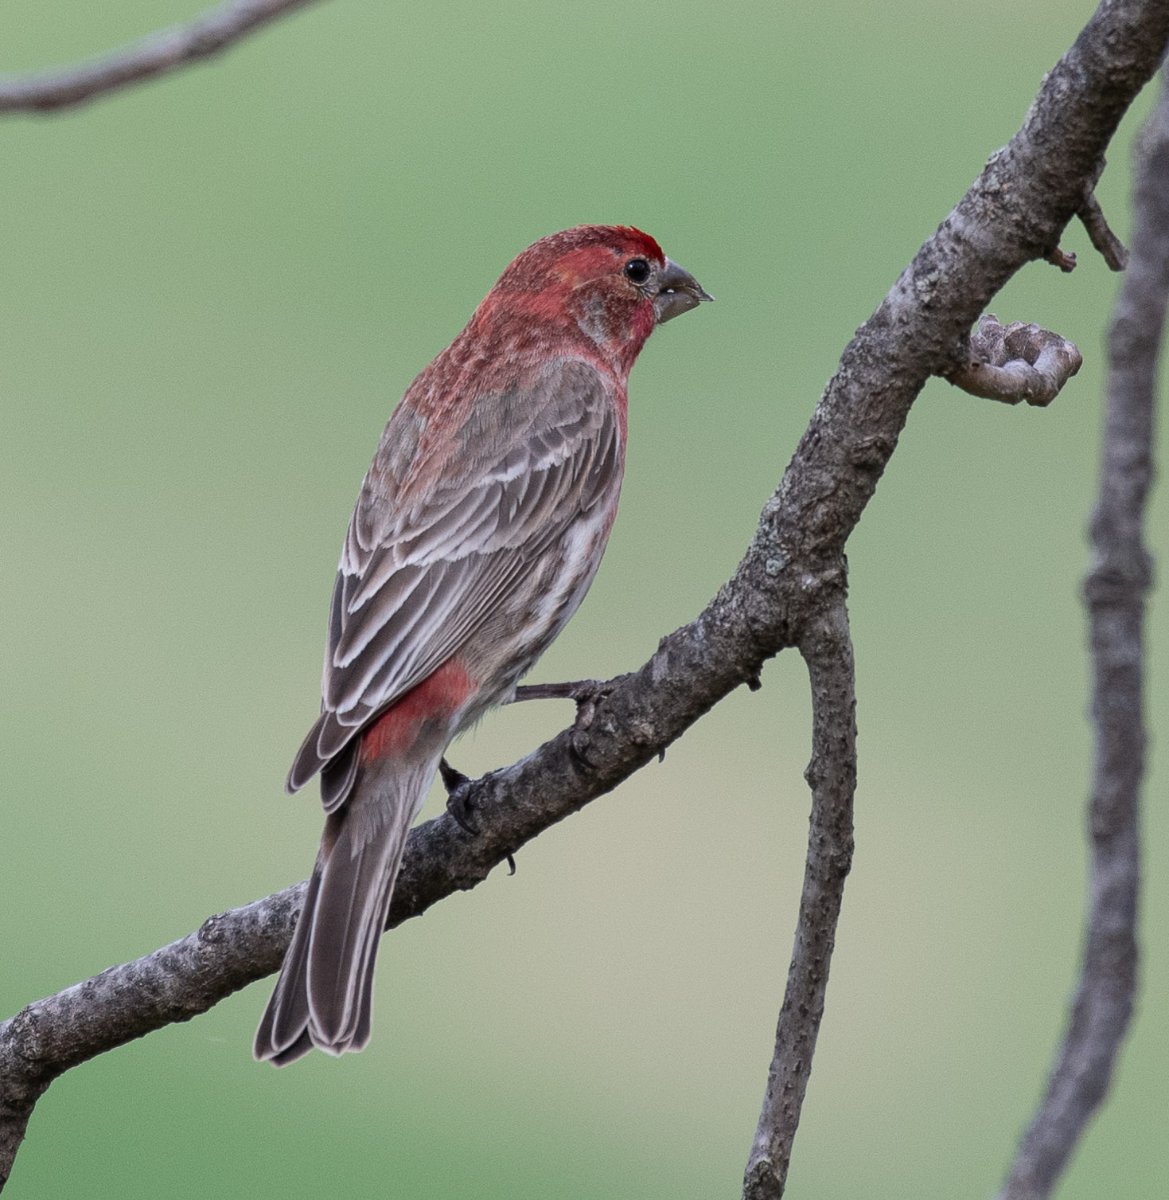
678,292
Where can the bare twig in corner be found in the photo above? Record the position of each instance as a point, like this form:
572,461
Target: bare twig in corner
832,777
1114,592
1016,362
155,55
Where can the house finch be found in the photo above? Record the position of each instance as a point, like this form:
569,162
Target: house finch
478,530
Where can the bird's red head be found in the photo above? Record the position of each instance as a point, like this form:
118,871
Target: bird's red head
610,283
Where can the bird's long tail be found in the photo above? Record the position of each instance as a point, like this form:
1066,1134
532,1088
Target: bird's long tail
324,994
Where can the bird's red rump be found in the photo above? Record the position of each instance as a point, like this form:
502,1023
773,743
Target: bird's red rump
435,698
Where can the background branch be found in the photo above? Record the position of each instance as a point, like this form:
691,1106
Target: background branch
1114,592
157,54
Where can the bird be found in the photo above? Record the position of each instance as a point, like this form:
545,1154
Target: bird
476,534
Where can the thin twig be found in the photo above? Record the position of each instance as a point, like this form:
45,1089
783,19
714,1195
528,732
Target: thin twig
156,54
832,777
1100,234
1114,591
1064,259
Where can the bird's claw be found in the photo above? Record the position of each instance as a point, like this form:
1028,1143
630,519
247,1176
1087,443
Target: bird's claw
458,801
459,805
578,746
586,694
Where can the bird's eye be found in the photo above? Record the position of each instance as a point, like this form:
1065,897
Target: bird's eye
637,270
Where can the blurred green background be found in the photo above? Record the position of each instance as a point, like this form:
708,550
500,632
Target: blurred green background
215,288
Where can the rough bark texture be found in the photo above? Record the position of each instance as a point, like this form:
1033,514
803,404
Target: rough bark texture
1114,592
788,590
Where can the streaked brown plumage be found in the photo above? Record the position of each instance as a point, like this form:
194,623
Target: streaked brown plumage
479,527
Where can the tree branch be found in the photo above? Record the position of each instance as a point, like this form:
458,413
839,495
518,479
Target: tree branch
827,650
1100,234
166,50
786,591
1114,592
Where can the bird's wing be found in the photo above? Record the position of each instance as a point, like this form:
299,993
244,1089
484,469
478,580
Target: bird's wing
425,565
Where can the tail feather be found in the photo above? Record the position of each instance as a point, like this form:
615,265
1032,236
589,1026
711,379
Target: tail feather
283,1032
324,995
338,777
356,886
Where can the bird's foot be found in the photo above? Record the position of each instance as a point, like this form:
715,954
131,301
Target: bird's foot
459,805
587,694
458,796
